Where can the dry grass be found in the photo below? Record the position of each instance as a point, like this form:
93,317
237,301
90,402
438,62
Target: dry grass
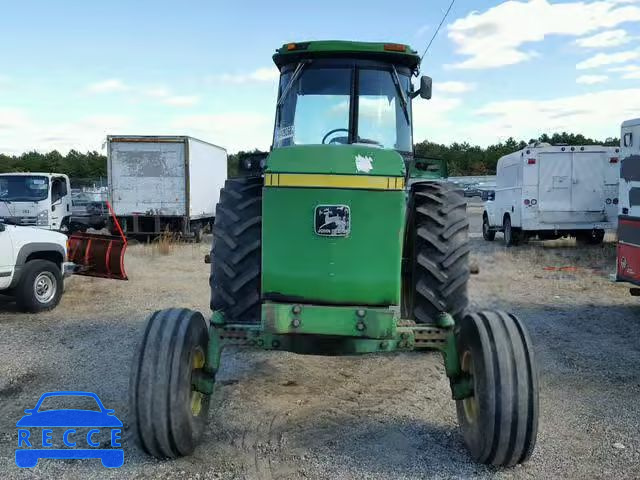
163,245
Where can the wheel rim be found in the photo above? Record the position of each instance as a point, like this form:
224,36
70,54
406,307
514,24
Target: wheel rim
507,231
485,227
469,404
197,363
44,287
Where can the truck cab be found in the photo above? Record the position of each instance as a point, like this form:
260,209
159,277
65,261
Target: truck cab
33,263
36,199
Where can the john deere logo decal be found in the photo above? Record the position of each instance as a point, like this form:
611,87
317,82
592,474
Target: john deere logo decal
333,220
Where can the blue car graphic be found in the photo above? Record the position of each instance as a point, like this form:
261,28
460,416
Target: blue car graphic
27,456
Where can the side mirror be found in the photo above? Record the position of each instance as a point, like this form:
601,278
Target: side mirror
426,84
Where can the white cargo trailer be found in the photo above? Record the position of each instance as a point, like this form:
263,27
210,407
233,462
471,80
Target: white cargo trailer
554,191
164,183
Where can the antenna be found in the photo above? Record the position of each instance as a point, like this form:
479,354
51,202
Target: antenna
437,29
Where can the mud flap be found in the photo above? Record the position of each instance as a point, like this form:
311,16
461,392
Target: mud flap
98,255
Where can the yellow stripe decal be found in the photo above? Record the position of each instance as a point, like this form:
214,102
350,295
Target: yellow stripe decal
369,182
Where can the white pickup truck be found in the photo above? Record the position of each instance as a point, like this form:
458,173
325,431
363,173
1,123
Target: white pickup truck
33,264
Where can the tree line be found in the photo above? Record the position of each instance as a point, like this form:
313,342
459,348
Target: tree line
89,165
462,158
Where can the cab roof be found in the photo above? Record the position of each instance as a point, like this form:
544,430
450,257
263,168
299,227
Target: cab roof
392,52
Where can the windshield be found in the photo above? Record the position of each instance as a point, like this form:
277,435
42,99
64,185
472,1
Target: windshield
317,106
23,188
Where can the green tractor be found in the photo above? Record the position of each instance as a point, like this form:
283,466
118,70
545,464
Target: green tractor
343,243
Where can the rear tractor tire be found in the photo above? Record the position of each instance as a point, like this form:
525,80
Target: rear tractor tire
167,415
499,421
438,247
237,251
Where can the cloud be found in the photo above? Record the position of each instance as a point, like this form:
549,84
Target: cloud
181,100
496,36
156,92
629,72
433,119
591,79
596,115
608,58
610,38
625,68
233,130
422,30
12,119
23,133
261,75
453,87
108,86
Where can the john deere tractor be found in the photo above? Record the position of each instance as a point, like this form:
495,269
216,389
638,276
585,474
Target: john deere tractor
343,243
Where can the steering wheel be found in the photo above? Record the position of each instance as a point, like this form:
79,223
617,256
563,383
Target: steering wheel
335,130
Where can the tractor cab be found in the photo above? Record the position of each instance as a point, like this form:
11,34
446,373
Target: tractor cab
347,93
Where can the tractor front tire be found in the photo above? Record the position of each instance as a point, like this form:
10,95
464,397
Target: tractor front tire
237,251
499,421
440,252
167,414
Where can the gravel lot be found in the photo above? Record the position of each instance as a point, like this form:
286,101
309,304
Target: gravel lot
279,415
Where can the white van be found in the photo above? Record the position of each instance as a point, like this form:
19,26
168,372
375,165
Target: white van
554,191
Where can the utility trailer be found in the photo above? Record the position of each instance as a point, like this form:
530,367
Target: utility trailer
628,264
163,184
554,191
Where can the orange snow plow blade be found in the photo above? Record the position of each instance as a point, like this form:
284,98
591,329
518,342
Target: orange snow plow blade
98,255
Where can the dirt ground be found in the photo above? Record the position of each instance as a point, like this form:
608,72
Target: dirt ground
280,415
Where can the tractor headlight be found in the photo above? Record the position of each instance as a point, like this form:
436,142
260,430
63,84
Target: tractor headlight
43,218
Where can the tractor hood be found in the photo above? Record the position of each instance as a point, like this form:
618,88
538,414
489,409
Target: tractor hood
333,225
336,160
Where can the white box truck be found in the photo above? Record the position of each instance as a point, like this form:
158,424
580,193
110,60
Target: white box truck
554,191
164,183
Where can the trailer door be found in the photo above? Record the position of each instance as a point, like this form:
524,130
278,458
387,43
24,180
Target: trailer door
554,187
587,190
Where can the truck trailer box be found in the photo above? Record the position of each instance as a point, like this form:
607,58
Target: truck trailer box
160,183
552,191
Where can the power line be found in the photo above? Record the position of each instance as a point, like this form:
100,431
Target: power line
438,29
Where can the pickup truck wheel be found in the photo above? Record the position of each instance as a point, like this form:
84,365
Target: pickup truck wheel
40,286
591,237
487,233
511,235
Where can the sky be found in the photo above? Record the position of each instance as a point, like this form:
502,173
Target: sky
72,72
